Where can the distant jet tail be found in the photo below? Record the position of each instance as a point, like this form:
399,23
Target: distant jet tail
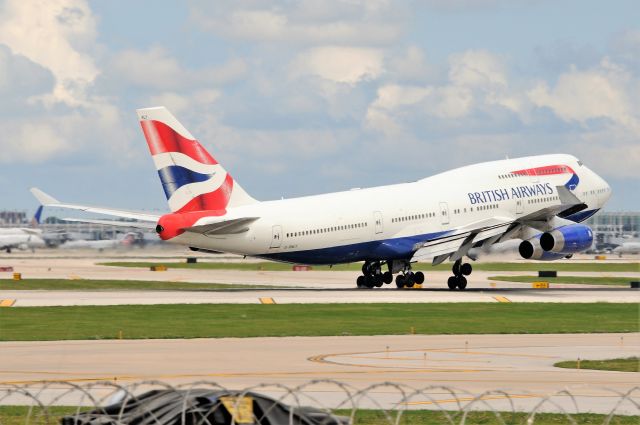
35,221
191,178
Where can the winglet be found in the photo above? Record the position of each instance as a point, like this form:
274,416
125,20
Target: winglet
43,198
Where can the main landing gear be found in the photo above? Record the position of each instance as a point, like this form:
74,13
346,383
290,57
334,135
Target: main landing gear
372,275
460,270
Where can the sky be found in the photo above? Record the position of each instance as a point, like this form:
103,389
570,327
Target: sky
303,97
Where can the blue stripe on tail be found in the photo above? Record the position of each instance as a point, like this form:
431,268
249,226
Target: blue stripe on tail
174,177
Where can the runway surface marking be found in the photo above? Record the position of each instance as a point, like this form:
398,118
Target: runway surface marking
502,299
7,303
267,300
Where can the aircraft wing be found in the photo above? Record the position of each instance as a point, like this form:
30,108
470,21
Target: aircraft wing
459,241
50,201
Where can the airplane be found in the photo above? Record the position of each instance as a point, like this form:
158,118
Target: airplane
539,200
628,247
128,240
23,238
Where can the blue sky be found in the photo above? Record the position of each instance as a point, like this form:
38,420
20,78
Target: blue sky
297,98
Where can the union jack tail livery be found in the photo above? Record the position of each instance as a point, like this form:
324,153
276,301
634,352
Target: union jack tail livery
191,178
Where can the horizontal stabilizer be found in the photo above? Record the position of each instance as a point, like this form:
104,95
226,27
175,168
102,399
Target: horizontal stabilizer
50,201
43,198
115,223
226,227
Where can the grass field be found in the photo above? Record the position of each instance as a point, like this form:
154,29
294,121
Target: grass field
17,415
232,320
82,284
629,364
430,417
271,266
587,280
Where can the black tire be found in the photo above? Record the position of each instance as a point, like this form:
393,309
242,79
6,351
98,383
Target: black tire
368,281
456,268
452,283
462,282
360,282
466,269
409,280
377,280
400,281
387,277
365,269
419,278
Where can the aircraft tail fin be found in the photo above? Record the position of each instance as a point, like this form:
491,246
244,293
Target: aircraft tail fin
191,178
35,221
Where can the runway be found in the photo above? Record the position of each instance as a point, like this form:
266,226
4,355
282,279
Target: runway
321,296
522,365
291,287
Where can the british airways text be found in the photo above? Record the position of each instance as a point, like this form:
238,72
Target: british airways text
496,195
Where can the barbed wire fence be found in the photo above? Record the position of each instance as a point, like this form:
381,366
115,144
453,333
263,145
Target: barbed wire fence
318,402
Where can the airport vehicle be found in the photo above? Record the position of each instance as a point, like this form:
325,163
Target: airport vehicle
23,238
539,200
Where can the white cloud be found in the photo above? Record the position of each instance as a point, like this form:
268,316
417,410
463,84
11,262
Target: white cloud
601,92
339,64
156,68
52,34
31,142
476,68
306,22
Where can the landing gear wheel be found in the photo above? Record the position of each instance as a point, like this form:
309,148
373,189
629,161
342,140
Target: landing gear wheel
387,277
360,282
462,282
419,278
400,281
456,268
409,280
368,281
466,269
452,282
377,280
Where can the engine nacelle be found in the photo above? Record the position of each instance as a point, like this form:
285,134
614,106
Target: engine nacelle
531,250
567,239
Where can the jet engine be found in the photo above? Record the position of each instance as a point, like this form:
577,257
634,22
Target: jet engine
531,250
567,239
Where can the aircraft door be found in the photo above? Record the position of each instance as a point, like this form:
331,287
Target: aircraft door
377,220
276,236
519,206
444,213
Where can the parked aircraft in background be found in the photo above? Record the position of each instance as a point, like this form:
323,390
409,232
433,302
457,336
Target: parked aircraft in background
537,200
23,238
629,247
128,240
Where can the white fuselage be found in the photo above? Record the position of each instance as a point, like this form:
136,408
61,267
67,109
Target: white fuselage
389,221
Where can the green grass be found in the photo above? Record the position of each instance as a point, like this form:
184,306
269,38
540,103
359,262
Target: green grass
272,266
629,364
255,320
433,417
18,415
82,284
587,280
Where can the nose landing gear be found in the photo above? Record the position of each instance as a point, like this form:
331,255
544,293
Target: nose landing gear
458,280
